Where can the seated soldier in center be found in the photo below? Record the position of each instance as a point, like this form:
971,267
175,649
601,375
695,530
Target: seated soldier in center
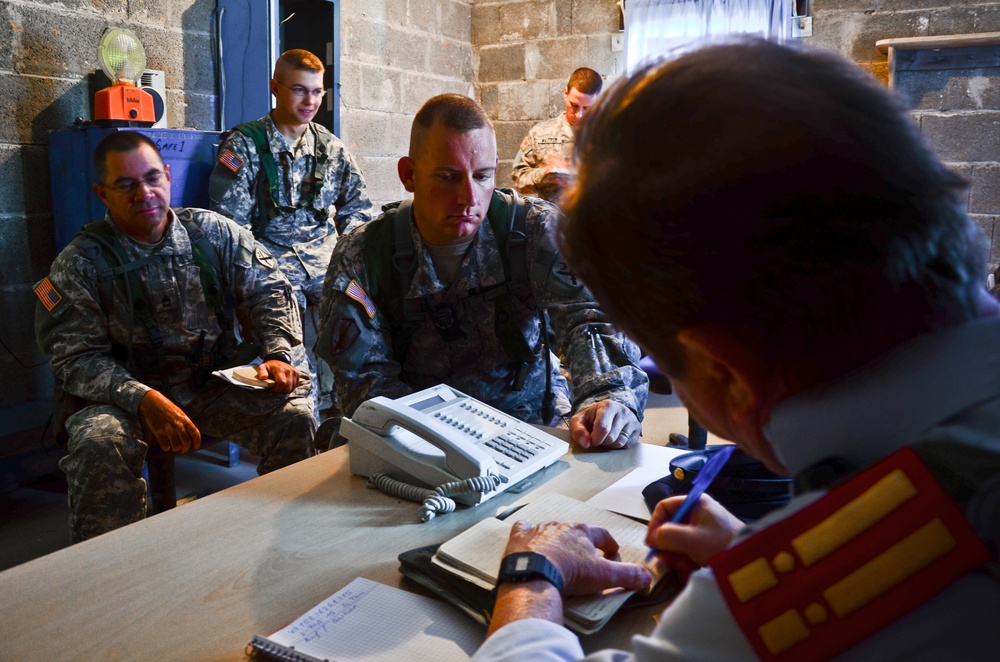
429,293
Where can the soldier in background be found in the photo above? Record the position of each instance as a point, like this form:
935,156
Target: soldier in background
430,293
136,313
544,165
295,185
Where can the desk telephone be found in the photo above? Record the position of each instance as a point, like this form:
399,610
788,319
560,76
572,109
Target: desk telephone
463,449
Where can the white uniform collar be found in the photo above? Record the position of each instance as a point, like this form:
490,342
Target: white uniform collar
889,403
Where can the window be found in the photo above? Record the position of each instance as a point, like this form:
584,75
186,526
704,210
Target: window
654,27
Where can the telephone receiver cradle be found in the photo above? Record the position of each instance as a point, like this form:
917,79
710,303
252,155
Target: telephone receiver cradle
440,435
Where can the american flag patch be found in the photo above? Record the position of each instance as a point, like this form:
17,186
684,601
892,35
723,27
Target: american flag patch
47,294
355,292
231,161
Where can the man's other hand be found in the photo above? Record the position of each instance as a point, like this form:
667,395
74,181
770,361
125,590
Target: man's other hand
606,423
584,555
286,377
167,425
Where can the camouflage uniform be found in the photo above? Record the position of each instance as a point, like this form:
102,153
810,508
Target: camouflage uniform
105,450
357,341
303,238
553,136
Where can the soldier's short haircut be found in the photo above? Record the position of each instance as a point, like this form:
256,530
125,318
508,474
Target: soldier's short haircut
585,81
453,111
119,141
297,59
771,190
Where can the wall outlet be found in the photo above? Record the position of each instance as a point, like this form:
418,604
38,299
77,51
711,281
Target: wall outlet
618,42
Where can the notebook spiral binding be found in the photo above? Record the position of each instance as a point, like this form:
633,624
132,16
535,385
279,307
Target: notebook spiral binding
263,647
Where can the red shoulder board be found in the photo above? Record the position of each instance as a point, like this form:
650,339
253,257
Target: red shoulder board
870,551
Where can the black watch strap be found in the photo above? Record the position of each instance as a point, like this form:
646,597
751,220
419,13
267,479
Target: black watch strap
284,357
525,566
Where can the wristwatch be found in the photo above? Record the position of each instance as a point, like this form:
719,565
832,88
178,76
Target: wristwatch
524,566
284,357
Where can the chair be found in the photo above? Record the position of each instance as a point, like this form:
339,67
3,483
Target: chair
159,471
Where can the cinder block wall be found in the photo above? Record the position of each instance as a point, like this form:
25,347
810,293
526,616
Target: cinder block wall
957,109
514,55
396,54
526,50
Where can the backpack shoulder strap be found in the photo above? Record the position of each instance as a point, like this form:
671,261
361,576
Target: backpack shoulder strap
390,263
267,204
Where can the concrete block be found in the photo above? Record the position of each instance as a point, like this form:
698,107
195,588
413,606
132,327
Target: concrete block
564,12
364,41
502,63
963,19
488,97
509,137
50,43
386,11
456,20
867,29
382,181
485,25
380,89
527,100
193,110
350,85
954,89
591,17
174,56
18,301
418,89
984,197
377,134
24,180
990,226
424,15
406,49
525,21
450,58
31,107
557,58
964,137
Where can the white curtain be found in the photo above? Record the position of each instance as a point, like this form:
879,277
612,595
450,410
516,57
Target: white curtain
653,27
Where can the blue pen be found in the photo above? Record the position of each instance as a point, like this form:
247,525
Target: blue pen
705,476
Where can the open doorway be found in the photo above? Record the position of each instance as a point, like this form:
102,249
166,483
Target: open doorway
313,26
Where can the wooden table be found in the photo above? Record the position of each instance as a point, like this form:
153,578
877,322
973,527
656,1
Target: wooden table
197,582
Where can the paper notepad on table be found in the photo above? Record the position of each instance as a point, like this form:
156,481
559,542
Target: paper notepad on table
373,622
476,553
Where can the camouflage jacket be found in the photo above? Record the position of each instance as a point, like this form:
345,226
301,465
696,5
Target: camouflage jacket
77,333
552,136
303,239
356,336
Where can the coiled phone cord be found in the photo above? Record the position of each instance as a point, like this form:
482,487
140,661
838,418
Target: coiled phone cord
435,500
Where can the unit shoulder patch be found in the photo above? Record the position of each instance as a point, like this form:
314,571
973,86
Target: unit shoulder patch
264,257
870,551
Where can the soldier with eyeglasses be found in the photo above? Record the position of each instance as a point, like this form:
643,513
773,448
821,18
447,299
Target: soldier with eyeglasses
295,185
136,313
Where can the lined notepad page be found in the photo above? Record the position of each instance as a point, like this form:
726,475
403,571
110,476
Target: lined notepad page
371,621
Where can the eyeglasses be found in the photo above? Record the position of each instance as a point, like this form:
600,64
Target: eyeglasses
155,179
300,92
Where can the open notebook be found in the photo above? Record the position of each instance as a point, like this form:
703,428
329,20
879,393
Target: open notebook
476,553
351,625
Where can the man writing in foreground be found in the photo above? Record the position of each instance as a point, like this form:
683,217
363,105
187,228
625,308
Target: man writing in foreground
803,269
136,313
458,286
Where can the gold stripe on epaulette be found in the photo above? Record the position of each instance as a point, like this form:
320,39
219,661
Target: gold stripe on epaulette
855,517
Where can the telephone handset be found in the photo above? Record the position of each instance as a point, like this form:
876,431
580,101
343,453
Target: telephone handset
450,442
